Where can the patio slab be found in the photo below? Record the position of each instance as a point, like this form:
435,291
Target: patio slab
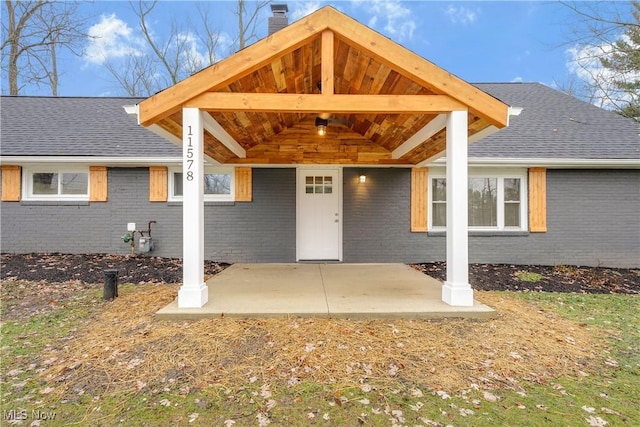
324,290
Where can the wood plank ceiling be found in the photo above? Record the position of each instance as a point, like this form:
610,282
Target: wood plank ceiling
273,137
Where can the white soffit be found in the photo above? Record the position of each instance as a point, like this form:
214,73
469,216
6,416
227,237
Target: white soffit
430,129
215,129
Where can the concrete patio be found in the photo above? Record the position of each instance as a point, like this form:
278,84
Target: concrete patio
324,290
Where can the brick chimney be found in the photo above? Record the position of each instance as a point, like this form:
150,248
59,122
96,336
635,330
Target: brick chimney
279,20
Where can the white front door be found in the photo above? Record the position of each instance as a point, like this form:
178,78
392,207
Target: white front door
319,214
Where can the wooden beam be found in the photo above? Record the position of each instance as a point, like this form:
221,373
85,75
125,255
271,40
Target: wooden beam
327,62
304,103
430,129
218,132
416,68
234,67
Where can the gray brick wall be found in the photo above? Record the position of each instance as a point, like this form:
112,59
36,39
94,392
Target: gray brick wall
263,230
593,219
376,218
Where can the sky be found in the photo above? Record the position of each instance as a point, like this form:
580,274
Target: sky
516,41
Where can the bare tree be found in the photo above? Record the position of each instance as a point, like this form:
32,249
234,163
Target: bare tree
33,32
184,50
605,50
248,21
168,59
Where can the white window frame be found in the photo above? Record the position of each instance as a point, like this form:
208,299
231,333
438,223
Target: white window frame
207,197
501,175
27,182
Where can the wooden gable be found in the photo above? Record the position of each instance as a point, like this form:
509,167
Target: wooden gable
375,94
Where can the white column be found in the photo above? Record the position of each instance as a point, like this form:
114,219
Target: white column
194,292
456,289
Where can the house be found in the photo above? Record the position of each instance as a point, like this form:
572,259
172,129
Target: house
325,141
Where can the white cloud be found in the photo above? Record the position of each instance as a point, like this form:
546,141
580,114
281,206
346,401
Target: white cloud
517,79
461,15
397,20
584,62
187,45
303,9
111,38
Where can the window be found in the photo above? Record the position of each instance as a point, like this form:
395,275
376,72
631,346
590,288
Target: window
495,200
50,183
218,184
318,185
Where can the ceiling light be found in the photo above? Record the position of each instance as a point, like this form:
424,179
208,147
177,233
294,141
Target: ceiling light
321,126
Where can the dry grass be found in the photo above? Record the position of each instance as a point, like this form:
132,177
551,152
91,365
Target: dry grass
125,349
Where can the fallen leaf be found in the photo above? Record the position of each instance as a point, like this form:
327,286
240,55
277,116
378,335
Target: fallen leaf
193,417
443,394
490,397
417,406
588,409
464,412
596,421
416,392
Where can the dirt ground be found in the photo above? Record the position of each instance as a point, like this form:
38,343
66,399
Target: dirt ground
121,347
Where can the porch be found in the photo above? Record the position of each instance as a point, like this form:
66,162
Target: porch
324,290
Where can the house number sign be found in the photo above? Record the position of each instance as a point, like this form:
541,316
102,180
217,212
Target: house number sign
189,156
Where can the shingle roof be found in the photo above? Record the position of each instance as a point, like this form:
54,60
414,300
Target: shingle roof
551,125
46,126
555,125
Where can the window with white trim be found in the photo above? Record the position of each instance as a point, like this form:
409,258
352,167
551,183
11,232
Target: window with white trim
56,183
219,184
496,200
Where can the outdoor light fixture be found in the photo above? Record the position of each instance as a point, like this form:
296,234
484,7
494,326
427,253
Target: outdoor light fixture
363,178
321,126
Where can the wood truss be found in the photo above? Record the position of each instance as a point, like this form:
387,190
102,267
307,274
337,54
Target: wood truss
386,105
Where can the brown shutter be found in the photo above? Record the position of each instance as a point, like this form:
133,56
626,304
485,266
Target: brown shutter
244,192
99,184
538,200
158,183
11,183
419,179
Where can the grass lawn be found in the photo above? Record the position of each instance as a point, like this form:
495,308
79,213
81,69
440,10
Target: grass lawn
84,362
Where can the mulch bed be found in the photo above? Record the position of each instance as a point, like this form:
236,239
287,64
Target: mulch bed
59,268
562,278
89,268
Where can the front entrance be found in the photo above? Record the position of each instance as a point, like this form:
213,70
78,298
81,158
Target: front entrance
319,216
